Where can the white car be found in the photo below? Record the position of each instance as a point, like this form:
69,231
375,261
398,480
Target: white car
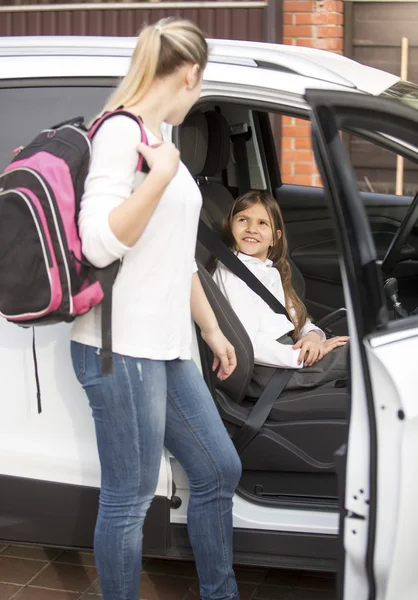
329,479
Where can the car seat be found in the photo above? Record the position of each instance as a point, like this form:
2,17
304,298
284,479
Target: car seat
304,428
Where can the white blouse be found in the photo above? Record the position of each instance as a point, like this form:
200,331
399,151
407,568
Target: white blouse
262,324
151,315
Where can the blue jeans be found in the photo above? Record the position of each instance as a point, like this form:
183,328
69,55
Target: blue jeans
143,406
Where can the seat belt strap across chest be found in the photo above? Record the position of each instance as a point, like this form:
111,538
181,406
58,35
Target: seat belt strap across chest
214,244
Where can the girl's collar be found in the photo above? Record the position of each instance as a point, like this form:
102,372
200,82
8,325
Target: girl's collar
254,260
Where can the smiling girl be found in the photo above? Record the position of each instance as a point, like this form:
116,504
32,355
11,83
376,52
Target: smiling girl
254,229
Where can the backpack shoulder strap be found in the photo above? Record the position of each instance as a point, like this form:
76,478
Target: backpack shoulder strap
142,165
108,275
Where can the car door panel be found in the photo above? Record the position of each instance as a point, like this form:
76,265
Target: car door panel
55,450
380,499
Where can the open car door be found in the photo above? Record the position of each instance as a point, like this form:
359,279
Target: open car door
379,520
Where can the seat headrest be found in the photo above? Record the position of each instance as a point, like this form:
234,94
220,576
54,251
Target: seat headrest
219,144
194,142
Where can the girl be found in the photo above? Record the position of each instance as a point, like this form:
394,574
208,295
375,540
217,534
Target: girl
254,229
156,395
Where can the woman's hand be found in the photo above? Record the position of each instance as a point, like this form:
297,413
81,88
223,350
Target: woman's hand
335,342
162,158
311,349
223,351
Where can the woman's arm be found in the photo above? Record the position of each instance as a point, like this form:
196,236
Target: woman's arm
112,217
203,315
129,220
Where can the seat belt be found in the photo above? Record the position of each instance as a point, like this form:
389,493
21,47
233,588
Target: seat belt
260,413
262,409
214,244
240,134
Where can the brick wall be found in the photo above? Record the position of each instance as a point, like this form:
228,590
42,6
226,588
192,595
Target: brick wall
315,24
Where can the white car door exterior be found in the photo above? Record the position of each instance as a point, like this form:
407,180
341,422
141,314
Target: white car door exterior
379,518
58,445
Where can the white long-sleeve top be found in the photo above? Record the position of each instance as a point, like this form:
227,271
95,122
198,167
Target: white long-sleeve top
263,325
151,316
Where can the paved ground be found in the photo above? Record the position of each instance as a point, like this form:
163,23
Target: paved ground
28,573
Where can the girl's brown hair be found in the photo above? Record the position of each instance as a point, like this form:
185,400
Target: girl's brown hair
161,49
277,252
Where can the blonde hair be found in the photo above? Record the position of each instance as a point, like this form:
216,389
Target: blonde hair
277,252
160,50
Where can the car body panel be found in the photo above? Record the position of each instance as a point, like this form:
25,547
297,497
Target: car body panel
60,444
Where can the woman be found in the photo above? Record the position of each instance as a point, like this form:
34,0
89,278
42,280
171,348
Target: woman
254,229
156,395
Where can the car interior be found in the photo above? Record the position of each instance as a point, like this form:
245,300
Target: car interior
229,149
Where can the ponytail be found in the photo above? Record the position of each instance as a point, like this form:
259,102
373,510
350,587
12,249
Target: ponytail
160,50
142,71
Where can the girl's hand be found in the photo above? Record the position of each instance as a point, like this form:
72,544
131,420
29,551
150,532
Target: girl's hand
162,158
223,351
335,342
311,349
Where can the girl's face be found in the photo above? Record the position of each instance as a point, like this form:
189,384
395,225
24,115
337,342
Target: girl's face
253,232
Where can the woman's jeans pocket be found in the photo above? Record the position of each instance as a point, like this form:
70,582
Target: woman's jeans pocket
87,364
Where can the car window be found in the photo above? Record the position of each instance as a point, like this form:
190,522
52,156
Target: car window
405,91
393,218
292,138
377,170
27,110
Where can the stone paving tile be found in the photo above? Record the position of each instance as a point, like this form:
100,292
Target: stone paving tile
250,574
18,570
32,593
164,587
70,578
246,591
283,577
32,552
179,568
155,587
7,590
93,590
317,581
273,592
310,594
49,574
76,558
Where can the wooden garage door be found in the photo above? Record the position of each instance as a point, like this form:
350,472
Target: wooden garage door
373,34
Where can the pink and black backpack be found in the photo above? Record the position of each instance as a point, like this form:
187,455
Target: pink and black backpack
44,277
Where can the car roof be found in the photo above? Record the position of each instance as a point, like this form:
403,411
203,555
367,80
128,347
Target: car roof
82,55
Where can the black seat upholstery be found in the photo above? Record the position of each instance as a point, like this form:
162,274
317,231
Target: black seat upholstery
216,197
304,428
